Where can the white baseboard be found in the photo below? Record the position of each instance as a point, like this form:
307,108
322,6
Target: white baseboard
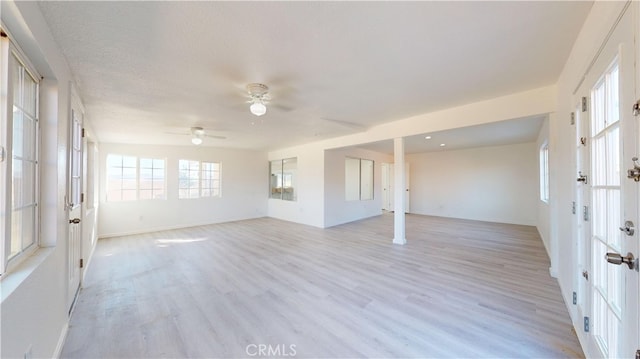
61,340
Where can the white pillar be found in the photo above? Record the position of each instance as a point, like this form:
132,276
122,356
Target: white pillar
398,192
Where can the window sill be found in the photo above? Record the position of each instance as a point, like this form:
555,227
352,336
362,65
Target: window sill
11,280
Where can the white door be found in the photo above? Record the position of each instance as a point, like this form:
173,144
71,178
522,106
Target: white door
74,196
611,302
407,194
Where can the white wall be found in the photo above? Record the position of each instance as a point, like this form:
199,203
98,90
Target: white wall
34,295
337,210
309,206
544,213
496,184
245,176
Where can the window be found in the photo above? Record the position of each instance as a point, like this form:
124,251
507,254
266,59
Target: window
210,179
544,172
358,174
21,196
129,179
199,179
152,182
283,179
121,178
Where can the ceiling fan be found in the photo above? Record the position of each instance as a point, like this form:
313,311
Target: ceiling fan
197,134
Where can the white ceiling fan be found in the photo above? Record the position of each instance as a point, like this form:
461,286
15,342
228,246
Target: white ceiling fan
197,135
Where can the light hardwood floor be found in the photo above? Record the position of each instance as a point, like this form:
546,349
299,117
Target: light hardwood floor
461,289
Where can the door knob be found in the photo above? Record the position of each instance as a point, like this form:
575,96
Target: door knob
618,259
582,178
628,228
74,221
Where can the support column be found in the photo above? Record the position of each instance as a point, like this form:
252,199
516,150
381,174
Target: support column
398,192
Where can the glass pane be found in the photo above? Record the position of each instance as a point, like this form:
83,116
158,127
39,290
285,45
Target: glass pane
275,179
129,161
352,179
16,233
28,226
16,73
18,133
194,193
30,93
158,164
366,180
612,217
129,184
598,120
613,157
29,136
599,215
289,170
598,164
145,174
146,163
18,183
129,173
613,100
28,181
114,161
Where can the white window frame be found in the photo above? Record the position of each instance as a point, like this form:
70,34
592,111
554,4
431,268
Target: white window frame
210,186
365,187
9,50
544,172
198,181
138,186
156,193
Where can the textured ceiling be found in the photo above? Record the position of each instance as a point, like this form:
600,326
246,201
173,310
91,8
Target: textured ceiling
149,69
499,133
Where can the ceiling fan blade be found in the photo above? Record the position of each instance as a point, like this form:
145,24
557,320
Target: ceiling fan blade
178,133
283,108
346,124
217,137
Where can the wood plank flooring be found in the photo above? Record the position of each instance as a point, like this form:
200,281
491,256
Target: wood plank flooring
458,289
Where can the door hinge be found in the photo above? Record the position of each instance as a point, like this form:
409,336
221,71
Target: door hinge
584,104
81,263
81,197
573,118
2,154
586,324
575,298
573,207
636,108
585,213
83,133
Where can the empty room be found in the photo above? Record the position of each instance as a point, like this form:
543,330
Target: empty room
319,179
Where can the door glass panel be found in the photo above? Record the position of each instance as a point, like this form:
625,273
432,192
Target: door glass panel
606,204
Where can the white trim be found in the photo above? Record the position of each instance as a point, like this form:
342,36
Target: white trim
61,340
21,55
170,228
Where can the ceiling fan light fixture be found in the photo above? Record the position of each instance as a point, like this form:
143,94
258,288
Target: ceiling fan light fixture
196,140
258,94
258,108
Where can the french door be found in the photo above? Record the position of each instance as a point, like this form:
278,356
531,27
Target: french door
607,140
74,205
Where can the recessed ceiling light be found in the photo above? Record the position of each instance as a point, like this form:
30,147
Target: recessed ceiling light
427,137
442,145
